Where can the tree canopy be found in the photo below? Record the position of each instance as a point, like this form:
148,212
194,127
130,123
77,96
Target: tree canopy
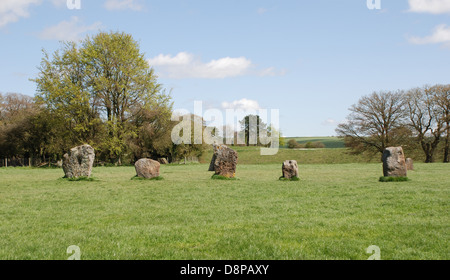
103,92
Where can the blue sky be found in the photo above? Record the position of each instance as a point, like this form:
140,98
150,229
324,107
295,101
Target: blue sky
310,59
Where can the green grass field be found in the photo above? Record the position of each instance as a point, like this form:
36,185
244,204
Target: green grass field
252,155
335,211
329,142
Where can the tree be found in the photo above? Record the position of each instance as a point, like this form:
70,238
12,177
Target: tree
251,126
106,94
17,112
375,122
121,80
62,87
185,143
292,144
272,132
425,118
443,103
151,137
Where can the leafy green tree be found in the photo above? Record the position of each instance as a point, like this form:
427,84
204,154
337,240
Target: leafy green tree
183,150
151,136
292,144
106,94
273,132
62,88
251,126
122,82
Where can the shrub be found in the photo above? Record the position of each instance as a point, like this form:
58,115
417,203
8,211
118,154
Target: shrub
319,145
292,144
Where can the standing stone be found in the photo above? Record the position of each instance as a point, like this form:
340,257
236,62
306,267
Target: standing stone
290,169
147,168
394,164
224,161
409,164
78,162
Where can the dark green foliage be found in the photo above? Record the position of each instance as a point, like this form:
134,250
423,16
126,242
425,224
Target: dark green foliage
393,179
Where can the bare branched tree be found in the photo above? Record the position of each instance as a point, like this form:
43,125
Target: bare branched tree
443,103
425,118
375,122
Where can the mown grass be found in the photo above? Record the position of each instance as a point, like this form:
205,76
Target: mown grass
82,178
289,179
333,212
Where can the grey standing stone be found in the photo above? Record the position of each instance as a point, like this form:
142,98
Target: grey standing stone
409,164
290,169
394,164
224,161
147,168
78,162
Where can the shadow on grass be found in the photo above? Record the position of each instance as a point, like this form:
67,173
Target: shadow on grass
221,177
77,179
137,178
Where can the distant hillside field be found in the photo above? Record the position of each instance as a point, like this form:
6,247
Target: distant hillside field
251,155
329,142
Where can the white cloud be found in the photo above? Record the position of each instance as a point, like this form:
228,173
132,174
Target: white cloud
59,3
13,10
243,104
330,122
429,6
186,65
261,11
441,34
113,5
71,30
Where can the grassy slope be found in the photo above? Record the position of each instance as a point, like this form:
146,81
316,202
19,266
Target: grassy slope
334,212
329,142
251,155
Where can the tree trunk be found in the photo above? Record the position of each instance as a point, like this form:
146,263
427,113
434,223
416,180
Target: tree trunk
428,150
6,162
